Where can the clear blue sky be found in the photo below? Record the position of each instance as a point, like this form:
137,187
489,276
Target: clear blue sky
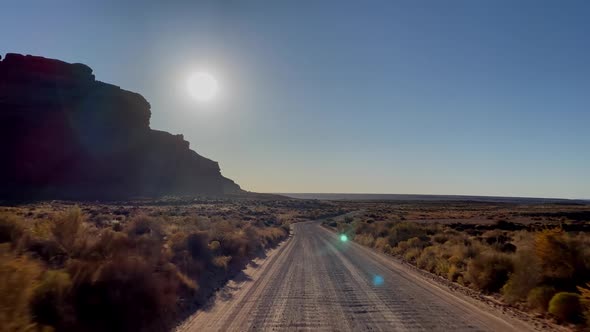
443,97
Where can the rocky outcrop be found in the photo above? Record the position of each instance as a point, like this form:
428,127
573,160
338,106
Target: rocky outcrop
65,135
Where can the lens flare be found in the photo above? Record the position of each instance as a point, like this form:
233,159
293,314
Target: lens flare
378,280
343,238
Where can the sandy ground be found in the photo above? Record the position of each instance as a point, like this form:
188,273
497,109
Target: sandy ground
314,281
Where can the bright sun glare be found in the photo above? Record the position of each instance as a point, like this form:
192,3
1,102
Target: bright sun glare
202,86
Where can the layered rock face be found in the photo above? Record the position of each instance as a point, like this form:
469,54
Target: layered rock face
65,135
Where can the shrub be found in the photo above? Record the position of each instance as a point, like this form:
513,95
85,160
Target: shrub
221,261
527,275
197,244
11,229
177,241
382,244
539,297
49,302
147,247
556,253
458,253
412,254
268,235
97,279
66,230
495,237
365,239
417,243
214,245
401,248
125,294
49,251
566,307
404,231
440,238
442,267
472,249
19,276
489,271
507,248
585,301
144,225
110,244
454,273
427,259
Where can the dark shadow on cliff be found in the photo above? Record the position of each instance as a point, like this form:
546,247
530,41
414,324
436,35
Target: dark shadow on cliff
65,135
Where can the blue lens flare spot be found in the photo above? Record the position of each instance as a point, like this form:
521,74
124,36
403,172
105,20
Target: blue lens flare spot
378,280
343,238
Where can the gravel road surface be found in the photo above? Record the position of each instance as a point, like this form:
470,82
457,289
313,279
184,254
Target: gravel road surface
315,281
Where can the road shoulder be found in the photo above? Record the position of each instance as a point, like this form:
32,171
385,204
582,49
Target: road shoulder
484,304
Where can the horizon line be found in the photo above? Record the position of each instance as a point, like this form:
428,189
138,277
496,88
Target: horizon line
454,195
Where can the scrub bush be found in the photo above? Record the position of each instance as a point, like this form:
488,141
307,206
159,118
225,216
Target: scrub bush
566,307
19,276
489,271
69,274
539,297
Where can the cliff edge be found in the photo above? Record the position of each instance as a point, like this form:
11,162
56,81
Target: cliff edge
65,135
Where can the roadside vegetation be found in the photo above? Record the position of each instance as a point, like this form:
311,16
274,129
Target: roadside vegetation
541,266
122,269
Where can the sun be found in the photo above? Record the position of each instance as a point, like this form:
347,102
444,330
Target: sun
202,86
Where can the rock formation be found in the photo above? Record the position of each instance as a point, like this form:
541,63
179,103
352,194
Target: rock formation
65,135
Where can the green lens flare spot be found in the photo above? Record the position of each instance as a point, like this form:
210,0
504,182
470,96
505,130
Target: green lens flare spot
343,238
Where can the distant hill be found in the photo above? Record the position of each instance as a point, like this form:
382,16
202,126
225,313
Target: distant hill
401,197
63,134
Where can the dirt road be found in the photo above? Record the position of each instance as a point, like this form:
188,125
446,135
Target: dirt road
317,282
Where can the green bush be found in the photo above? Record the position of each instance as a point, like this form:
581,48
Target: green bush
539,297
566,307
